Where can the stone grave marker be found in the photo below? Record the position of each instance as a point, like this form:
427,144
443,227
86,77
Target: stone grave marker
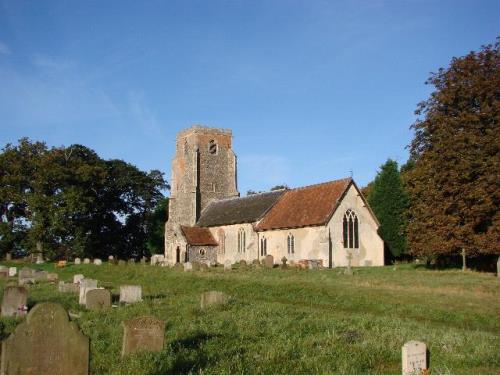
144,260
145,333
157,259
414,357
228,265
52,277
348,270
77,279
243,263
283,263
97,262
14,301
12,271
85,286
130,293
40,275
78,261
86,261
121,262
98,299
256,263
196,266
178,266
25,272
111,258
8,257
204,267
188,267
46,343
213,298
4,273
269,261
68,287
131,261
39,258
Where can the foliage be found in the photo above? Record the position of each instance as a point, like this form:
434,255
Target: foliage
156,239
389,201
280,187
454,182
68,201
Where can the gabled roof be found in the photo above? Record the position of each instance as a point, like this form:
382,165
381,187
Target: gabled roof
198,236
238,210
306,206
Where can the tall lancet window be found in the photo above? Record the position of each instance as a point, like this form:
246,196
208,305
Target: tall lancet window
350,230
290,244
241,240
263,246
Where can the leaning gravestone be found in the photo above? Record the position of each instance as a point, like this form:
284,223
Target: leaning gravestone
78,261
46,343
188,267
414,357
97,299
213,298
269,261
130,293
12,271
228,266
145,333
14,301
85,286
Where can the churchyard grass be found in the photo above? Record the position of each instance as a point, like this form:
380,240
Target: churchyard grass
290,321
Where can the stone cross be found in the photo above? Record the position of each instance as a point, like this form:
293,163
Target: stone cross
349,269
14,301
145,333
213,298
46,343
414,357
130,293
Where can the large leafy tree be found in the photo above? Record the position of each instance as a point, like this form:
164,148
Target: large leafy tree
454,180
389,201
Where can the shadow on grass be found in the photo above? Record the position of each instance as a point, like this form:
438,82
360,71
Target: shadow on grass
189,355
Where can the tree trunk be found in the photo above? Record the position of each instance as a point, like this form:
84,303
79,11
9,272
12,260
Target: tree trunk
464,264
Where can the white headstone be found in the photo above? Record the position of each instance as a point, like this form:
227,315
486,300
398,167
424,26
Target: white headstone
78,261
414,357
188,266
130,293
228,265
12,271
97,261
78,278
157,259
111,258
86,261
85,286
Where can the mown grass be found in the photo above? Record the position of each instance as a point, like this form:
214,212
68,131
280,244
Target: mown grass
292,321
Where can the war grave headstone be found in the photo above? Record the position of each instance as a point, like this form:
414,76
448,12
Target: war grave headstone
77,279
414,357
145,333
85,286
68,287
98,299
97,262
86,261
14,301
78,261
46,343
188,267
12,271
130,293
213,298
269,261
228,265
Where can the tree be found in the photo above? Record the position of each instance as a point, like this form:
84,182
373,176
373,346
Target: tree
389,200
156,225
454,182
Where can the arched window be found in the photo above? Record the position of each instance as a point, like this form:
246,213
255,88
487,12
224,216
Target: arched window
263,246
202,252
212,147
241,240
350,230
290,244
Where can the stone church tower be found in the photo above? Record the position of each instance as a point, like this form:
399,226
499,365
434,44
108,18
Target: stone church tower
203,170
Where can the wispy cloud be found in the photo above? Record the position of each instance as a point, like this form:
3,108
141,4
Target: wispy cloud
4,49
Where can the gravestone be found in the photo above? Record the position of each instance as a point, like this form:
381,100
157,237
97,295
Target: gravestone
68,287
204,267
25,272
111,258
178,266
188,267
52,277
243,263
414,357
130,293
97,262
86,261
228,265
348,270
157,259
40,275
256,263
196,266
46,343
283,263
8,257
131,261
4,273
98,299
78,261
145,333
39,259
269,261
14,301
121,262
12,271
85,286
144,260
213,298
77,279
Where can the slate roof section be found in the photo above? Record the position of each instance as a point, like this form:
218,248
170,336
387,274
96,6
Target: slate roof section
306,206
238,210
199,236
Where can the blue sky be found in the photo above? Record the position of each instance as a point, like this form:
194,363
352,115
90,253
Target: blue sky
311,89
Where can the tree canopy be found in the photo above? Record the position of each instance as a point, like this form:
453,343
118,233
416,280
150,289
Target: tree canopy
454,179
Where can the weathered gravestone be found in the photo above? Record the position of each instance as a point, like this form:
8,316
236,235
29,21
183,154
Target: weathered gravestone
121,262
97,262
12,271
228,265
130,293
204,267
85,286
196,266
111,258
144,260
188,267
8,257
25,276
14,301
157,259
52,277
78,261
348,270
40,275
4,273
243,263
256,263
145,333
86,261
131,261
269,261
283,263
97,299
68,287
213,298
414,357
77,279
46,343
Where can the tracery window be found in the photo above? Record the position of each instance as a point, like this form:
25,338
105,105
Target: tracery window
263,246
290,244
241,240
350,230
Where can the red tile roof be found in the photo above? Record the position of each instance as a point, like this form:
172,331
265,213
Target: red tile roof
306,206
198,236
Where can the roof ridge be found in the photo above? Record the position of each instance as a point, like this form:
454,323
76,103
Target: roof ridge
246,196
323,183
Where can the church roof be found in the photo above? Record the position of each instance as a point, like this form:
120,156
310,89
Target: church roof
198,236
305,206
247,209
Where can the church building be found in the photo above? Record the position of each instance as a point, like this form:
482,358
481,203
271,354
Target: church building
330,223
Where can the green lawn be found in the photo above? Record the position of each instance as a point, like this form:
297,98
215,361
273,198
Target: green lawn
292,321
